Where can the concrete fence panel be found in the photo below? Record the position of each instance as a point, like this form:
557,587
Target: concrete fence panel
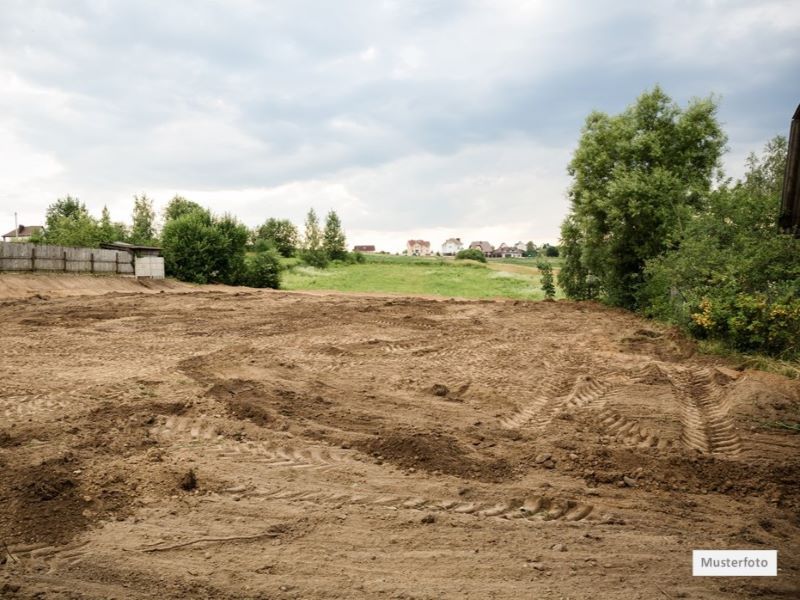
22,256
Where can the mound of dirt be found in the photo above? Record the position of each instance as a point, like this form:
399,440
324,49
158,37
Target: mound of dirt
245,399
42,503
434,452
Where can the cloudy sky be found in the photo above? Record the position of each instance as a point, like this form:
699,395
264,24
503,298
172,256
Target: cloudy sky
423,119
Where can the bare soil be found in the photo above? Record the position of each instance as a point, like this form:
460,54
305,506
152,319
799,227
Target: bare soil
254,444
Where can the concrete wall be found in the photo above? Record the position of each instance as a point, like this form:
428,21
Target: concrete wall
20,256
150,266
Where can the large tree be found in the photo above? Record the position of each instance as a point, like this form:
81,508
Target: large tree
333,239
68,223
279,233
636,179
178,207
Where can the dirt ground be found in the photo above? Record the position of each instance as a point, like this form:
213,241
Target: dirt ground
255,444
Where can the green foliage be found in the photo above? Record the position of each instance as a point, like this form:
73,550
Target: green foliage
550,251
110,231
530,250
180,206
280,234
548,287
64,208
732,277
191,246
68,223
230,263
143,229
201,248
471,254
333,238
263,270
313,253
315,258
637,178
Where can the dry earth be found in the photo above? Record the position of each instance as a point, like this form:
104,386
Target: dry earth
252,444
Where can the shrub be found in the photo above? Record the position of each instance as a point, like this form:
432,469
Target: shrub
548,287
471,254
316,257
201,249
263,270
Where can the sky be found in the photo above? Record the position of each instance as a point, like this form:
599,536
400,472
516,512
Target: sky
412,119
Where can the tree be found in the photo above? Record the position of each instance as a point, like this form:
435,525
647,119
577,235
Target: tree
230,261
281,234
313,252
180,206
636,179
530,250
67,208
68,223
731,276
550,251
333,240
192,247
143,229
109,231
548,286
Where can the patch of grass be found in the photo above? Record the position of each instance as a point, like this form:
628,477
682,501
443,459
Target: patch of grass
404,275
787,368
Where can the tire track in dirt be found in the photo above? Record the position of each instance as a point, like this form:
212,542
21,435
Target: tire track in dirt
707,427
187,433
531,509
629,432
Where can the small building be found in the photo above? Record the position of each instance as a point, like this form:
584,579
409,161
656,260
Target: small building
147,260
22,233
484,247
452,247
364,249
418,248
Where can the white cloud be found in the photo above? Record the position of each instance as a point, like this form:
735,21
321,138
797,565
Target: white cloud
412,119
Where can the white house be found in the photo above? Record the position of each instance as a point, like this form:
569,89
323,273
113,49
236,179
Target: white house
452,247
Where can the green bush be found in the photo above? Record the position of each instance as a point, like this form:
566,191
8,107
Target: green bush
548,287
316,257
732,276
471,254
201,248
263,270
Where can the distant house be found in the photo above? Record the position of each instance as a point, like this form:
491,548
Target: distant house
364,249
484,247
452,247
505,251
418,248
22,233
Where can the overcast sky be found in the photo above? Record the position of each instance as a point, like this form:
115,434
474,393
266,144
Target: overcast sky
413,119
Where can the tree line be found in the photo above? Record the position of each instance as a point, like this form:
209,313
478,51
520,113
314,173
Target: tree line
655,226
200,246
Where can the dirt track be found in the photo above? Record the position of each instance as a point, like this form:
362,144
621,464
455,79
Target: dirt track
351,447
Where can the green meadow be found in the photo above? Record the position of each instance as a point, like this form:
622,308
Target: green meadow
421,276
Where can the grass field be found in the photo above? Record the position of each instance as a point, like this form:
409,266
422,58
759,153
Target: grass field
423,276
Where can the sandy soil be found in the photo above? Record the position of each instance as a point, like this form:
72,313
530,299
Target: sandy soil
274,445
